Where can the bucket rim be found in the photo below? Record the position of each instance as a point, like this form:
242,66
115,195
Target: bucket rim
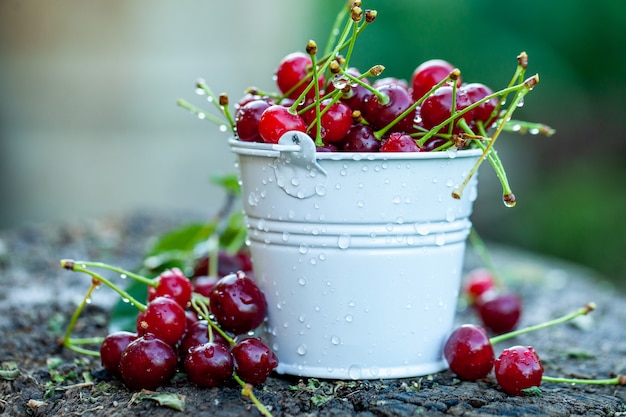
271,150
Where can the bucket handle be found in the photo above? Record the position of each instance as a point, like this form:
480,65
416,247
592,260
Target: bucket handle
296,168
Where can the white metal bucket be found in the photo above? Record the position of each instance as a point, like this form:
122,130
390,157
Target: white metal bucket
360,255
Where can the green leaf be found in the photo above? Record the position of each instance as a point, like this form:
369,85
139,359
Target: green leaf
183,239
229,182
165,399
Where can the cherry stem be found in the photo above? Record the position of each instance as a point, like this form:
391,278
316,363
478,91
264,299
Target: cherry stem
247,391
524,88
618,380
483,253
492,156
123,273
201,113
382,98
203,87
334,31
379,134
70,343
580,312
201,305
316,86
80,266
523,127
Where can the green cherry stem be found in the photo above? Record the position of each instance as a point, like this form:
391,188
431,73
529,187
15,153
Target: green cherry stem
199,112
454,74
580,312
82,267
483,253
247,391
618,380
527,86
201,306
311,49
68,342
123,273
221,102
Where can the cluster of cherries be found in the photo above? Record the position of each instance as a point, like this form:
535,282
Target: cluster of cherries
469,348
389,115
199,326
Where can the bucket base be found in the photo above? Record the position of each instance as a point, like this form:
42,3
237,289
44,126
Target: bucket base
357,373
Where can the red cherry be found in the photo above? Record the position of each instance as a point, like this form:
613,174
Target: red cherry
111,350
276,120
291,70
518,368
399,142
335,121
438,107
360,138
501,313
469,352
147,363
247,120
237,303
209,364
164,318
196,335
174,284
428,74
254,360
477,283
380,115
476,92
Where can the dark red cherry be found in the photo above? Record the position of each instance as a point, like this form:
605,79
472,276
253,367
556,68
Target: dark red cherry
237,303
247,120
209,364
518,368
196,335
174,284
254,360
164,318
499,314
111,350
147,363
380,114
360,138
469,352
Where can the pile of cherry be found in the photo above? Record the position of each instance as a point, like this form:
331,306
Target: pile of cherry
200,326
355,118
518,369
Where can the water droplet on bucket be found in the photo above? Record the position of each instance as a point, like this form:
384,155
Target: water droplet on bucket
335,340
343,242
440,239
355,372
301,350
349,318
422,228
450,215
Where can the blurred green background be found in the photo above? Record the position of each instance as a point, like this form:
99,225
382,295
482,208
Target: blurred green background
570,187
88,124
